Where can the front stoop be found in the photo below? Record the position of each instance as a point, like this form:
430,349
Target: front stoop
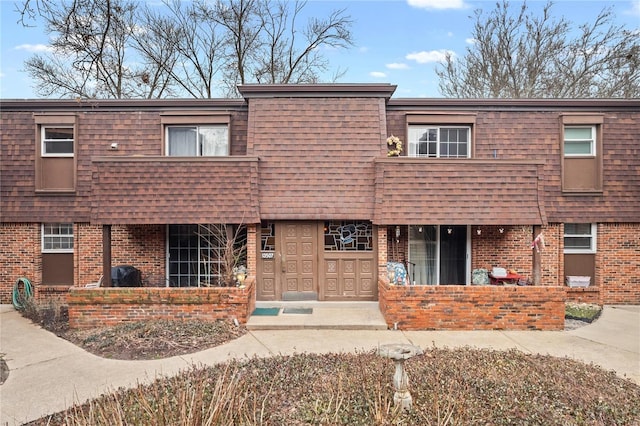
324,315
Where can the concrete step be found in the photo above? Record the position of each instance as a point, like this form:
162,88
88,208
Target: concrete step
324,315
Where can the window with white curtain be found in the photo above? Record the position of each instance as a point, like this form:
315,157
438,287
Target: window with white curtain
196,141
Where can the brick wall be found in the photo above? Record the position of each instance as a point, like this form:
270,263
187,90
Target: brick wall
383,254
618,263
472,307
88,253
55,294
110,306
19,256
141,246
583,295
510,249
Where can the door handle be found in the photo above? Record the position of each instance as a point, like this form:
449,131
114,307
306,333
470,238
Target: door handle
283,263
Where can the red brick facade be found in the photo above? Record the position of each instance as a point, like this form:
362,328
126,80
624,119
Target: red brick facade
19,256
110,306
472,307
315,153
618,263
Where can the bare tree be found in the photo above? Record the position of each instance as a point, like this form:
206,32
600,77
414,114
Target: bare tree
231,258
121,49
285,58
516,54
90,52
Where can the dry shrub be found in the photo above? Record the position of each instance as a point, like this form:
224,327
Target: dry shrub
449,387
51,315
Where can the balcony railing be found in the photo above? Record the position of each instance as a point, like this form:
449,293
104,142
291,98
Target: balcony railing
454,191
167,190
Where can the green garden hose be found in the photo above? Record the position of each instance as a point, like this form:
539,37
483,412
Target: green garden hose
20,297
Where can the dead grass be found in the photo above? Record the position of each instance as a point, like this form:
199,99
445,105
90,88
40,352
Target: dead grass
153,339
449,387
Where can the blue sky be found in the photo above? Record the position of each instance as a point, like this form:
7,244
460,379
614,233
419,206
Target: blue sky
396,41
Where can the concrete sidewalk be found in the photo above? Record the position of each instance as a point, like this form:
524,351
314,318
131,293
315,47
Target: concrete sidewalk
49,374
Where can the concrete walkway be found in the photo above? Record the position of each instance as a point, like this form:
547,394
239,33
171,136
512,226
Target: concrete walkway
49,374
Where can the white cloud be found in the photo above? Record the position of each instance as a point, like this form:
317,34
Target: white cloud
397,66
437,4
377,74
425,57
34,48
470,40
635,8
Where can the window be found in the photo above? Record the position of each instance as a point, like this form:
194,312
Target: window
196,141
439,142
348,236
580,238
579,141
57,238
57,141
197,253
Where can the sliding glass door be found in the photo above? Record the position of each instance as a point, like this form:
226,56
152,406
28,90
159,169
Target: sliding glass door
438,254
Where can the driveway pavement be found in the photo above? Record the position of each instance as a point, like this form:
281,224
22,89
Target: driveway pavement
49,374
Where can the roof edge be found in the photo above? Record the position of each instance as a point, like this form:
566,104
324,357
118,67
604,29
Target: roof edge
381,90
523,103
119,104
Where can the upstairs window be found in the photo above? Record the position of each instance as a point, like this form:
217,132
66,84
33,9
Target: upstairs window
197,141
56,137
579,141
439,142
57,141
579,238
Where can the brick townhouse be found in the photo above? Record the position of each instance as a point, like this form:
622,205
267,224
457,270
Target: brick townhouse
305,170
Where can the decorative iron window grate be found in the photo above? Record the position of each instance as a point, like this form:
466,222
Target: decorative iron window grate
348,236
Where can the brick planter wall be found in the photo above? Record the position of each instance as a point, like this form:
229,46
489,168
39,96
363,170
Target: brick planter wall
583,295
110,306
472,307
55,294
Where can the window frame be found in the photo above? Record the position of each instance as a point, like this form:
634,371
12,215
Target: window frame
199,147
44,140
438,142
572,166
194,119
44,235
593,235
593,143
449,119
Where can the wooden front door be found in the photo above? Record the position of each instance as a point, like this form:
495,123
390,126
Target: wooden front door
288,261
299,260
